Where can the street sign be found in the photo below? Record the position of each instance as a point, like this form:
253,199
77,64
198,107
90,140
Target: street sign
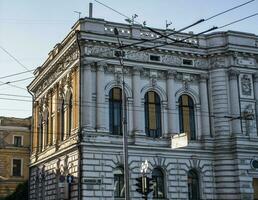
179,140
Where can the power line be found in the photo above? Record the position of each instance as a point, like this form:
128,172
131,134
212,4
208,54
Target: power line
15,81
16,74
228,10
13,95
175,32
239,20
12,85
8,53
134,108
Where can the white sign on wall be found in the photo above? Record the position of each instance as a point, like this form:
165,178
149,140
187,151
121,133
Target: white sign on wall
179,140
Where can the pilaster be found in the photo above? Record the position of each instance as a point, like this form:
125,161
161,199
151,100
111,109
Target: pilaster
205,122
100,97
87,96
138,122
234,99
172,122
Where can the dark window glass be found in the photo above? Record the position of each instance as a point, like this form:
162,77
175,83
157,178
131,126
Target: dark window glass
62,119
70,120
152,115
158,184
193,185
119,187
17,141
16,167
115,111
186,116
187,62
154,58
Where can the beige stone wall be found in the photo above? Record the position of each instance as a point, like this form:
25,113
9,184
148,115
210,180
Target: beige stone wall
8,151
51,103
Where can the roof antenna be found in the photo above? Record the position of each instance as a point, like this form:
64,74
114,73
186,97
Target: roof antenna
79,14
168,23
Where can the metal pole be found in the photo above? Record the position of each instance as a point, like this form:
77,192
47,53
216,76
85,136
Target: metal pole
124,123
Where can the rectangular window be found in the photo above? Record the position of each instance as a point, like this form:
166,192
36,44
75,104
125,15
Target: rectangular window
188,62
154,58
17,167
17,141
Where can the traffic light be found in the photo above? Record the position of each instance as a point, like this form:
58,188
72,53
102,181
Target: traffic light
140,185
149,183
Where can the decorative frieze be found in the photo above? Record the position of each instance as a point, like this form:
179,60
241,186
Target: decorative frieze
136,55
60,67
217,62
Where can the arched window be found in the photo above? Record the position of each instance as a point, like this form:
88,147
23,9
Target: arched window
186,116
70,115
158,184
152,114
119,187
62,119
193,185
115,111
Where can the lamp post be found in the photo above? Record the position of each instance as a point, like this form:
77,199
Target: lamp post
120,55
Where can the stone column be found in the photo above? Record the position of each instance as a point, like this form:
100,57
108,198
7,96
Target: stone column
172,122
138,123
87,96
256,99
234,99
205,122
100,98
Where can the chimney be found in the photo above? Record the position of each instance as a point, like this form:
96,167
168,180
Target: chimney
90,10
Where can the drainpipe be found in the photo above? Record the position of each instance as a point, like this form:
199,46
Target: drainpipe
31,137
80,118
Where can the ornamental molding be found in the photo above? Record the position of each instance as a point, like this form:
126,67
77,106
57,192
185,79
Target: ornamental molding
217,62
246,86
166,57
56,71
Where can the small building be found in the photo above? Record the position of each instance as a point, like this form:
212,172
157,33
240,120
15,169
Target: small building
205,86
14,153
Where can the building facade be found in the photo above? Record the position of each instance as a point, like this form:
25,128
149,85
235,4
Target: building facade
14,153
205,86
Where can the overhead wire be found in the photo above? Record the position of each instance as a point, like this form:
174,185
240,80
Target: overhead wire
159,38
180,30
14,58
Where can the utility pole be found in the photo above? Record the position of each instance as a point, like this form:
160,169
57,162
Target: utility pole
124,121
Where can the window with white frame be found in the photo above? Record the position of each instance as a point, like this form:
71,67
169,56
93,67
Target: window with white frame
17,141
17,167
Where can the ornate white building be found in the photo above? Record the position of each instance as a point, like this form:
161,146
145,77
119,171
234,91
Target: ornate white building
206,87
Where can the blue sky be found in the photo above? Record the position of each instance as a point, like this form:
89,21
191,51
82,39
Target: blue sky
29,29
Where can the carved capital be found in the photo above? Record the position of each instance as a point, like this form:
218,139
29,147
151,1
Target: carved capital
233,74
137,70
203,77
171,74
101,66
